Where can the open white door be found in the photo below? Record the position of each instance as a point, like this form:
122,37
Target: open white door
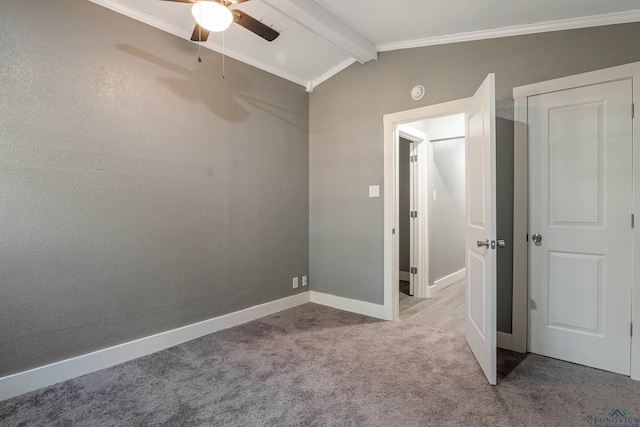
481,227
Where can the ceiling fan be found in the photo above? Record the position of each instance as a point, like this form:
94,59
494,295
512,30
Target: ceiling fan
216,16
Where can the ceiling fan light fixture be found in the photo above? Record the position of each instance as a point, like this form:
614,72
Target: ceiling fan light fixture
212,15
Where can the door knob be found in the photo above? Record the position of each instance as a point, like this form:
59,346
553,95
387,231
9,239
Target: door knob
537,238
501,243
481,243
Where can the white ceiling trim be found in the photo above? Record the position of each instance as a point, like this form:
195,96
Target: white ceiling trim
329,73
176,31
320,21
516,30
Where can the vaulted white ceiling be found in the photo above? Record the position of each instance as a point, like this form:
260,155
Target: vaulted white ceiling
320,38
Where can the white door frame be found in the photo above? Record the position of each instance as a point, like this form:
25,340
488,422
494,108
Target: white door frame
419,226
521,197
392,123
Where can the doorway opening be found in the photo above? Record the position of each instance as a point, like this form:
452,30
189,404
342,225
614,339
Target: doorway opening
431,218
480,216
410,125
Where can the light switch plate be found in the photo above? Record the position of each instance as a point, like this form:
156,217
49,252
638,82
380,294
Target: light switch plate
295,283
374,191
304,280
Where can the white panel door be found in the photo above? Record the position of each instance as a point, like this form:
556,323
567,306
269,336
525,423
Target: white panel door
580,207
480,155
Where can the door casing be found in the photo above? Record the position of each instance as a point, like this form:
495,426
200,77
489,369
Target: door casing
521,197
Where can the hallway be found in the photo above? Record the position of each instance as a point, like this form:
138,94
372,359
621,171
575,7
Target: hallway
445,311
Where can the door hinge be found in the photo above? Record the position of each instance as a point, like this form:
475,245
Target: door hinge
633,220
527,237
413,270
633,110
631,330
413,214
413,158
393,231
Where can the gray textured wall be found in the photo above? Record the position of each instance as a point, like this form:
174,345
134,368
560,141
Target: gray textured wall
446,213
404,202
139,191
346,136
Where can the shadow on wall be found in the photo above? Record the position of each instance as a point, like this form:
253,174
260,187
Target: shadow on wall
219,99
504,220
222,100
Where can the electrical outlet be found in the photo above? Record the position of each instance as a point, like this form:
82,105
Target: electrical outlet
304,280
295,283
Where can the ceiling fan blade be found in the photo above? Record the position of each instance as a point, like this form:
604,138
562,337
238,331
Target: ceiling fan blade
199,34
253,25
183,1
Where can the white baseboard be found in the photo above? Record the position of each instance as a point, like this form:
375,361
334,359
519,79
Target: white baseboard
405,276
33,379
347,304
449,280
504,340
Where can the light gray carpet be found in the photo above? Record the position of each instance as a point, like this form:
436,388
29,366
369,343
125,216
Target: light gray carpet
316,366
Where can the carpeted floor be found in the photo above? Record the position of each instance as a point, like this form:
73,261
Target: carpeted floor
317,366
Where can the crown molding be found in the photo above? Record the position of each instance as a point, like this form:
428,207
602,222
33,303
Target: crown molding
566,24
517,30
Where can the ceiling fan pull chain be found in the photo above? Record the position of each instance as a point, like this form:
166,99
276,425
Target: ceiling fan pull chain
200,38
